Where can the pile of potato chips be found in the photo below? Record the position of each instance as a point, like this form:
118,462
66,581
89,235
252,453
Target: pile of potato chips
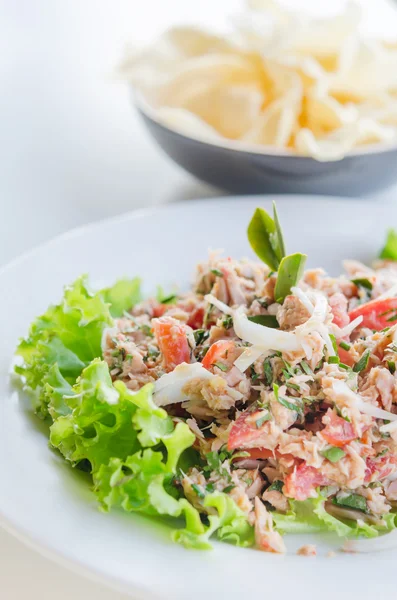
280,82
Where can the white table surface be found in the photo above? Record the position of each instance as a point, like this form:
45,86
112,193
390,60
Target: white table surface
72,151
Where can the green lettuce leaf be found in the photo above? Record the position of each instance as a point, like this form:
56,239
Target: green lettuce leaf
122,296
310,516
99,424
389,251
68,335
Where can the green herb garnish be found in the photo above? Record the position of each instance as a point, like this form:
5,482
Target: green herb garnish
266,320
221,366
362,363
265,237
354,501
210,487
227,322
333,360
276,486
344,345
286,403
266,417
268,371
198,491
391,366
333,454
389,251
306,368
200,335
229,488
293,386
289,273
217,272
363,283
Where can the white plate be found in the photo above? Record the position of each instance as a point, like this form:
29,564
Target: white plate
51,507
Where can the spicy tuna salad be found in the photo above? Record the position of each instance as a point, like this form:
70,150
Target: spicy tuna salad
263,401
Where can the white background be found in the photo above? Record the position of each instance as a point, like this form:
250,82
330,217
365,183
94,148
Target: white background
73,151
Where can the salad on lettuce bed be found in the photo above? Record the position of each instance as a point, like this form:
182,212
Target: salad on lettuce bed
261,402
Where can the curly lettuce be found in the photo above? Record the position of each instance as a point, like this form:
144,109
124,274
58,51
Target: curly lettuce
68,336
310,516
135,452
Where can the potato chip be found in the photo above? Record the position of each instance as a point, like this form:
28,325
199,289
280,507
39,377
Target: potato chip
281,79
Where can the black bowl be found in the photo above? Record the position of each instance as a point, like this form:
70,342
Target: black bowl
241,171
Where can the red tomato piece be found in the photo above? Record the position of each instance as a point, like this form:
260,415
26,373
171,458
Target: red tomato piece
171,337
338,432
159,309
245,433
345,357
377,314
196,318
302,481
218,351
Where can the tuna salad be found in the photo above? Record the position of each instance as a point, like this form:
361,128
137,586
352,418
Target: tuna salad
260,402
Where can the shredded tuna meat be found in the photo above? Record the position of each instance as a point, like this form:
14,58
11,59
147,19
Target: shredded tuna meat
280,422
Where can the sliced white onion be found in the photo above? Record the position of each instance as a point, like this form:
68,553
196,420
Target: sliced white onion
260,335
248,357
341,388
169,388
389,428
341,332
304,298
219,304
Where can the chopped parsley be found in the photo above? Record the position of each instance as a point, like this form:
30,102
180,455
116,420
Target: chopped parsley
362,363
268,371
334,344
344,345
217,272
210,487
333,360
200,335
171,299
392,318
391,366
276,486
227,322
333,454
198,491
254,374
146,329
293,386
229,488
363,283
298,408
266,417
221,366
306,368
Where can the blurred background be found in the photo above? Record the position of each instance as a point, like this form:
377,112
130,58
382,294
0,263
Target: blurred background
74,151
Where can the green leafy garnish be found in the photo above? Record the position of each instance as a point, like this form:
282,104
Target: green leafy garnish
298,408
276,486
306,368
122,296
289,273
227,322
333,454
217,272
344,345
171,299
221,366
362,363
200,335
333,360
354,501
266,320
268,371
389,251
363,283
265,237
391,366
262,419
198,491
